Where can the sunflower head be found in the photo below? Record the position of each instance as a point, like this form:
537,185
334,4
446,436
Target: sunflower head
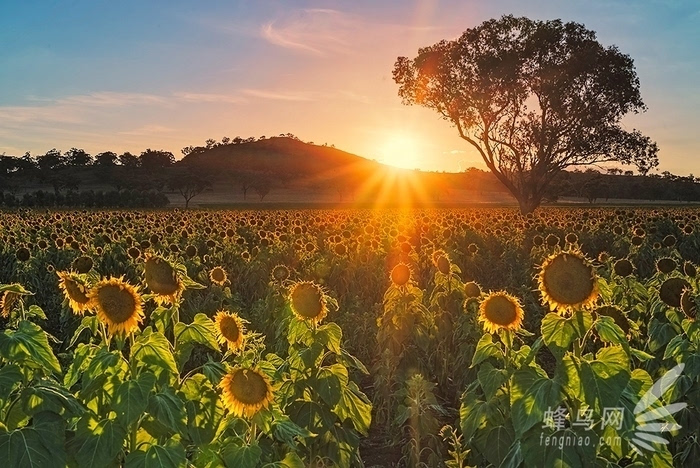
162,280
82,264
472,289
118,305
623,267
671,291
441,261
75,292
308,301
23,254
567,280
670,240
7,302
245,391
218,275
229,329
689,269
400,274
666,265
280,273
688,304
500,310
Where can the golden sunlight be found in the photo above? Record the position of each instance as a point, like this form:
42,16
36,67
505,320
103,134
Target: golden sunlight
400,149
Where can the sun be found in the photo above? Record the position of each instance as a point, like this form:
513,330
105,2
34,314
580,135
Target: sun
400,149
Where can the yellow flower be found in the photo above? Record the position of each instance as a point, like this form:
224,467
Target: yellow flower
230,330
245,392
7,301
162,280
75,292
500,310
280,273
400,274
118,305
308,301
567,280
218,275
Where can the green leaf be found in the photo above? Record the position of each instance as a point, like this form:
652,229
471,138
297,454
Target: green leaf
355,406
241,455
37,446
15,288
97,443
171,455
485,349
609,331
530,396
558,332
497,443
330,335
28,344
491,379
214,371
131,398
89,322
162,318
285,430
81,358
201,331
49,396
676,346
36,311
330,383
10,377
204,409
660,334
168,410
291,460
152,351
604,379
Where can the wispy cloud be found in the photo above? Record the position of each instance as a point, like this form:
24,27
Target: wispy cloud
148,130
326,32
208,97
280,95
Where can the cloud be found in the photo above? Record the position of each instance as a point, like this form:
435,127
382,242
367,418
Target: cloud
148,130
454,151
208,97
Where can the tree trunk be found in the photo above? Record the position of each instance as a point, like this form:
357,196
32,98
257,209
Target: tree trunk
527,204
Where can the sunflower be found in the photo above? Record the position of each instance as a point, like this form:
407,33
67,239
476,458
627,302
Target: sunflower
7,301
218,275
666,265
688,304
567,280
245,391
75,292
308,301
623,267
162,280
400,274
230,330
472,289
500,310
441,261
280,273
118,305
671,291
82,264
689,269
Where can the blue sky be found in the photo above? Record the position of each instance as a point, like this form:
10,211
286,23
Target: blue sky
127,75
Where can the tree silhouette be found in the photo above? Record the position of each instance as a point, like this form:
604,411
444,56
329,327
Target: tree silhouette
532,97
128,160
188,184
156,159
77,157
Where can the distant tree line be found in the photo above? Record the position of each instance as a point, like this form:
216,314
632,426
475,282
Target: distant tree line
594,185
86,199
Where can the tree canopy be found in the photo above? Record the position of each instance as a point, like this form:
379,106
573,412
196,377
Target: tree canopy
532,97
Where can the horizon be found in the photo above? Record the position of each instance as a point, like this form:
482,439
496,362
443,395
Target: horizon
126,77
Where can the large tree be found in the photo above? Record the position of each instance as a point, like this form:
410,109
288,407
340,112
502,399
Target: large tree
533,98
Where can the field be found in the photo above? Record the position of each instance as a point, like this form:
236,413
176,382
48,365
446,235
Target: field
300,338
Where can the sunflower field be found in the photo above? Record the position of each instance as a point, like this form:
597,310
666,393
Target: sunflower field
313,338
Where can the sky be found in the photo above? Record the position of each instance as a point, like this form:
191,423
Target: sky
129,75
